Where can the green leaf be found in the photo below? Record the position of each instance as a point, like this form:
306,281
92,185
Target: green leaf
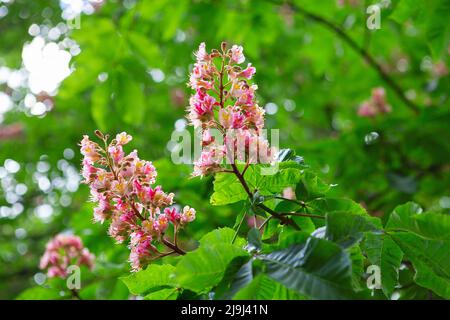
163,294
409,217
357,259
254,240
228,189
311,187
424,239
39,293
318,269
322,206
153,277
221,236
131,100
431,260
383,252
437,28
431,16
144,49
346,228
100,99
238,274
204,268
264,288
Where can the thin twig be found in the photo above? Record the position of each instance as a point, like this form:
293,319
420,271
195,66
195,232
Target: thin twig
264,223
299,214
299,202
239,227
172,246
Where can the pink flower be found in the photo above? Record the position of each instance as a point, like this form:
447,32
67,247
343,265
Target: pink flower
122,189
61,252
367,110
376,105
237,54
209,161
103,211
89,149
116,153
207,139
188,215
122,225
88,171
161,223
248,72
201,54
172,214
123,138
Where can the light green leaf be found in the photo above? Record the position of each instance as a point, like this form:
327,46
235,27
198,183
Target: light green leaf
163,294
39,293
153,277
202,269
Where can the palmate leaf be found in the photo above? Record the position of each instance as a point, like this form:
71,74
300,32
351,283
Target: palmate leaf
424,239
227,189
409,217
318,269
431,260
383,252
311,187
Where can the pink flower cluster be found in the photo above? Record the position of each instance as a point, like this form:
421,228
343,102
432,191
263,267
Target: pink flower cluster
121,185
376,105
61,252
224,100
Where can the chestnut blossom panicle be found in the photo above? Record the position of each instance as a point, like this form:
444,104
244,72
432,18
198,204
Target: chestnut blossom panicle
225,100
63,251
122,186
375,105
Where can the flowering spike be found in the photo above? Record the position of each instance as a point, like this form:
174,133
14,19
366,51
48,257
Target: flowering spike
225,99
63,251
121,185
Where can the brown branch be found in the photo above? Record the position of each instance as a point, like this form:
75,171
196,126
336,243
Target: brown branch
299,214
172,246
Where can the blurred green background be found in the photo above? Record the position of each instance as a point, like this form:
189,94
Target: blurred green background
123,66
